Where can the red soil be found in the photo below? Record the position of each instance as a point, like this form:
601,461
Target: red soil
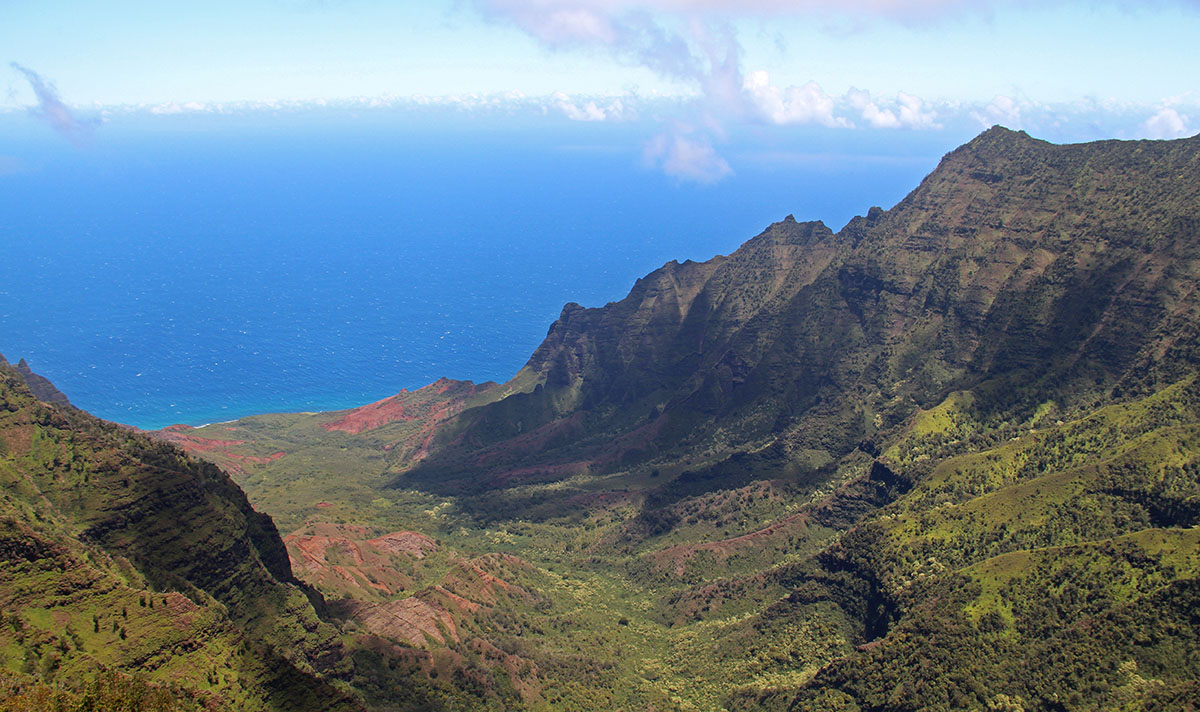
435,616
406,406
341,558
676,558
195,443
372,415
411,543
409,620
255,459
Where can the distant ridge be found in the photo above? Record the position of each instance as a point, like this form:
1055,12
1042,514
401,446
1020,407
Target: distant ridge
1061,266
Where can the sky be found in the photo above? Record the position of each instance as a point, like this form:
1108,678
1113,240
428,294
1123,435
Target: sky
700,70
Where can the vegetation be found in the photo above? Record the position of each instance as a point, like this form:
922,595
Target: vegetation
99,575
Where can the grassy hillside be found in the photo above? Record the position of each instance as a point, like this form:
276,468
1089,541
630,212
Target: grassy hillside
124,554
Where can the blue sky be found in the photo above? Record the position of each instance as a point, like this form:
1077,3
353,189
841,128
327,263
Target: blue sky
131,52
1067,70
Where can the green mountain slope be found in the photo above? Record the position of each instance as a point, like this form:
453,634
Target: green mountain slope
945,458
1058,570
125,554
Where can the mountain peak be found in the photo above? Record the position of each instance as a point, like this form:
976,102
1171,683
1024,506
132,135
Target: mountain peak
1003,133
41,386
938,280
1002,143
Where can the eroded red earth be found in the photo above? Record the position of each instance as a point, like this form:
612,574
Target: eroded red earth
434,403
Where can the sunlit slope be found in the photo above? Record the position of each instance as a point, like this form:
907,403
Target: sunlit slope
1059,569
125,554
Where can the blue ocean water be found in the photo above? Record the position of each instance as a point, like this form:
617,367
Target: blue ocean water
199,269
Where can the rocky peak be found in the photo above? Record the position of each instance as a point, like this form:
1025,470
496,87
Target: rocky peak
40,386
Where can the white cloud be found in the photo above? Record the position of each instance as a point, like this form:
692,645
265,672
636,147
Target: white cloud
704,133
592,109
807,104
190,107
810,104
680,155
1003,110
580,17
556,23
589,112
689,47
914,114
1167,123
860,101
694,42
53,111
680,47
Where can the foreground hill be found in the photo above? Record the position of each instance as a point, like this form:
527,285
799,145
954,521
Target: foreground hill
124,555
945,458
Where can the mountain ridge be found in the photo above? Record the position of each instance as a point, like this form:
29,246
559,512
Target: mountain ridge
914,293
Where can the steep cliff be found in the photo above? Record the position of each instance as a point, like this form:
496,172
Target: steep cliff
40,386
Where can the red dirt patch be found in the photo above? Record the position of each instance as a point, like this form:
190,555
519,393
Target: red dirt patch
372,415
435,615
340,559
676,558
213,449
433,402
254,458
409,620
411,543
195,443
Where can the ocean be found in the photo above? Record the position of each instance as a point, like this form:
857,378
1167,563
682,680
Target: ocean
192,269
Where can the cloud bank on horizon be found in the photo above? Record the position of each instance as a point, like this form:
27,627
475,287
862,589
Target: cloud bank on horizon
717,70
694,41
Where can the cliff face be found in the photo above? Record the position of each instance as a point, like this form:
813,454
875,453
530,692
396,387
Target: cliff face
1049,272
40,386
97,519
